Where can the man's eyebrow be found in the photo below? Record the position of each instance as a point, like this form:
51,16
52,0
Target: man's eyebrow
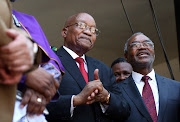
147,40
142,41
134,41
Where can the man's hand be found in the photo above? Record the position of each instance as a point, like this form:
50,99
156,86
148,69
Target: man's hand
98,95
30,99
43,82
90,89
7,77
17,56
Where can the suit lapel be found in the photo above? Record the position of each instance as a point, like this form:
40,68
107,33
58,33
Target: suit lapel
163,94
92,65
71,67
130,88
91,68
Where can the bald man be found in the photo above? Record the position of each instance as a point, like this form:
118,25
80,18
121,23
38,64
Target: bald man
88,93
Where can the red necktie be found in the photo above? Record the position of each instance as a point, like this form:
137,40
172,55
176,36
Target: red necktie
148,98
82,69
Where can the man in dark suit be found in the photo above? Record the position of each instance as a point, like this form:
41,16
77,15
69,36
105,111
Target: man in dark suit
164,105
95,98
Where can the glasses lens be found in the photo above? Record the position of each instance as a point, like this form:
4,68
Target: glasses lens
97,32
82,25
134,45
93,30
150,44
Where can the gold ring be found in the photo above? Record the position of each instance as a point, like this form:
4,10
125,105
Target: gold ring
39,100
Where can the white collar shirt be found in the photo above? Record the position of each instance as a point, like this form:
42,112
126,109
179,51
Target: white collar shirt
152,82
74,56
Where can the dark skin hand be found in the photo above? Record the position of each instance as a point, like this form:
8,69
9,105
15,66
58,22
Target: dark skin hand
43,82
17,55
33,106
82,97
92,92
7,77
15,58
97,95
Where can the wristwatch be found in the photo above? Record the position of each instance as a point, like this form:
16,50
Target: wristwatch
37,55
107,99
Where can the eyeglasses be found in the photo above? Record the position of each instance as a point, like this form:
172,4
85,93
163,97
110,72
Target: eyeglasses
137,45
83,26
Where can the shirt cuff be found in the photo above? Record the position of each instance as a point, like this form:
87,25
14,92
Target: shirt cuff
72,107
104,107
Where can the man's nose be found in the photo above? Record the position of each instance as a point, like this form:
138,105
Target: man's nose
87,31
122,77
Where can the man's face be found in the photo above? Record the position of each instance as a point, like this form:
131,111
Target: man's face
140,51
77,39
122,70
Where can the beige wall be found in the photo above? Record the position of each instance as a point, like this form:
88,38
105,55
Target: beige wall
162,69
112,23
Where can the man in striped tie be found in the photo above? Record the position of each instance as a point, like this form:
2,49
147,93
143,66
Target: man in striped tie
89,92
152,98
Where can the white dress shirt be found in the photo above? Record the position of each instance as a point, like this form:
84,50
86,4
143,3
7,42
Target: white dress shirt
152,82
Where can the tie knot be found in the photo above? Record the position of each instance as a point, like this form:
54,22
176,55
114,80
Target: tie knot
145,79
79,60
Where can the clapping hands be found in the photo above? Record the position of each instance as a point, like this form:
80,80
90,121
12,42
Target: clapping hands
92,92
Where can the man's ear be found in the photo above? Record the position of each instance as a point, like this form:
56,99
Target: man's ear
125,56
64,32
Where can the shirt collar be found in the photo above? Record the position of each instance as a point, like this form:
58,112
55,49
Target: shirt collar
152,75
137,76
73,54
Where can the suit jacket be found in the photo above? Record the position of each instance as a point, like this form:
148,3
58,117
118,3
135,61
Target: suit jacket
169,100
73,83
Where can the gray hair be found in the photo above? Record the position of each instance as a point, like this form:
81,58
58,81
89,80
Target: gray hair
126,44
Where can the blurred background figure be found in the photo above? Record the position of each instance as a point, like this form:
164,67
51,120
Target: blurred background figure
39,86
16,57
121,69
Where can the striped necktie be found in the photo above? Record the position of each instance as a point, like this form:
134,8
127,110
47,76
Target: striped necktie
148,98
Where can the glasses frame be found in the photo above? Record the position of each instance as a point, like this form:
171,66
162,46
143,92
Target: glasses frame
146,44
79,24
